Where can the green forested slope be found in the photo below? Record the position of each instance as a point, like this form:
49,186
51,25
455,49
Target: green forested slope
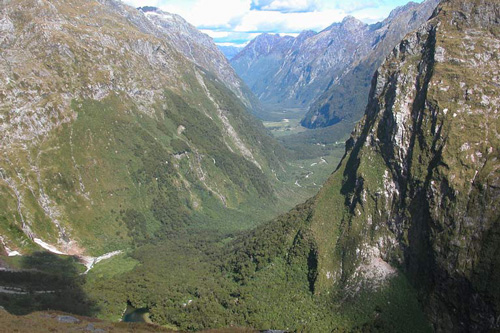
111,137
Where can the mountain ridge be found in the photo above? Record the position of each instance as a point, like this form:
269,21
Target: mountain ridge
298,71
101,105
344,99
416,193
200,48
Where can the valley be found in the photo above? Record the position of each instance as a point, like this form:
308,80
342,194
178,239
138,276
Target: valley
314,153
344,180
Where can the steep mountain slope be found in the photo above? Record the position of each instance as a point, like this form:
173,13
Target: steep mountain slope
414,200
200,49
345,99
298,69
110,135
417,193
262,58
294,72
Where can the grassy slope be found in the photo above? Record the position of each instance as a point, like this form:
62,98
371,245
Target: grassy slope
107,173
113,164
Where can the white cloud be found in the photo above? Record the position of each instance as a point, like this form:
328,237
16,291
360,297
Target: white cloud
290,5
215,34
272,21
141,3
237,21
292,34
209,13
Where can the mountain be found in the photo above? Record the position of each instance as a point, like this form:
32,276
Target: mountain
200,49
403,237
230,51
119,127
293,72
263,58
345,98
416,195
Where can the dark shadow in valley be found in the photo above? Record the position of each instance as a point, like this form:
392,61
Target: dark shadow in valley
45,281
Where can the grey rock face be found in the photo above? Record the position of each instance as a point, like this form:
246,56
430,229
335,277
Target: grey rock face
294,72
198,47
346,97
68,319
420,180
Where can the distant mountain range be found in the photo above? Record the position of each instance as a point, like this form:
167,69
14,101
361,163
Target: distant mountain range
329,71
346,96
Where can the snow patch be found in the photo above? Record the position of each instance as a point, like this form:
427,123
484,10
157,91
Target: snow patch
10,253
89,262
47,247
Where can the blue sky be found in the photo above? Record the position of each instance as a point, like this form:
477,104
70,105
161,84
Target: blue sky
235,22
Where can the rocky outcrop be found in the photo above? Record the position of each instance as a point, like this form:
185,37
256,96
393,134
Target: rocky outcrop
345,98
294,72
93,96
420,180
199,48
417,194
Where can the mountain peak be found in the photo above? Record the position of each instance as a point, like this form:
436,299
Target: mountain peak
350,22
398,10
264,43
146,9
306,34
349,18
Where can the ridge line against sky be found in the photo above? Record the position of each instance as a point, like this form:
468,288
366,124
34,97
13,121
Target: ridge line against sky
236,22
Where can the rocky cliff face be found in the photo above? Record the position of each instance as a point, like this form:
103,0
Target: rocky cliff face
293,72
418,190
199,48
112,132
346,96
419,182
